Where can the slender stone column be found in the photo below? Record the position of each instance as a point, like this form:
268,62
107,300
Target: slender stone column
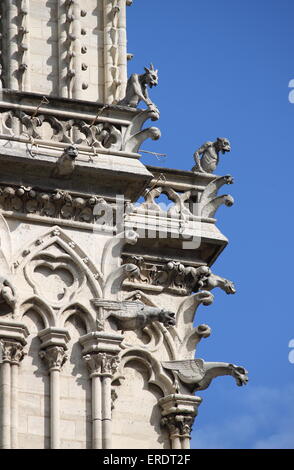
53,350
178,415
5,398
94,365
12,355
109,367
12,341
101,355
17,355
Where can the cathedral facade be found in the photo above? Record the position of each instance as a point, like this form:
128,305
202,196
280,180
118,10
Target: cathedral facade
100,282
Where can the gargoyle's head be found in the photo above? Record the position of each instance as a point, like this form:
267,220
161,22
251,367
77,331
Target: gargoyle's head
229,287
240,375
71,152
151,76
223,145
167,318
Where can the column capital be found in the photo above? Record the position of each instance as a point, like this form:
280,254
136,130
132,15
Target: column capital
101,364
54,344
12,351
12,341
178,414
178,425
55,356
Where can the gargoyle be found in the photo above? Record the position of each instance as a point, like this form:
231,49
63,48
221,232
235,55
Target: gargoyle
198,374
137,88
65,165
210,155
136,315
205,279
211,281
7,293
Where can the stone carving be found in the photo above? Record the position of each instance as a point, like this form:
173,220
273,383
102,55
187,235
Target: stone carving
7,293
210,201
65,165
198,374
57,204
5,246
178,425
190,204
55,356
101,135
210,155
129,316
177,278
210,281
101,364
76,131
137,88
12,351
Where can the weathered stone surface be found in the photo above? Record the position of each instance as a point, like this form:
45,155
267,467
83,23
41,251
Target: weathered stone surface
100,281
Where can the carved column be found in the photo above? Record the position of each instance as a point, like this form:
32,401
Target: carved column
62,52
178,415
12,341
101,355
12,48
53,351
77,61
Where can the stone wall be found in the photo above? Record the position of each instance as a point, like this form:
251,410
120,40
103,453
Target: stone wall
73,49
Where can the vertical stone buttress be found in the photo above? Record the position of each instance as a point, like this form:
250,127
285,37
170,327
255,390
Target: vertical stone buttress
68,48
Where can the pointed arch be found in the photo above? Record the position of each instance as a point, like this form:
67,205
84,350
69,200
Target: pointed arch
41,308
80,311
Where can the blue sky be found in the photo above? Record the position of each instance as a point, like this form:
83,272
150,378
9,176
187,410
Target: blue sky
224,68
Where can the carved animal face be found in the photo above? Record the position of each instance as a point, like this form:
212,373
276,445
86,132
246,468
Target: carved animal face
229,287
72,152
223,145
240,375
151,76
167,318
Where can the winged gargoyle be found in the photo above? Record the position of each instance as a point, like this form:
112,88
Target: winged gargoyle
198,374
136,315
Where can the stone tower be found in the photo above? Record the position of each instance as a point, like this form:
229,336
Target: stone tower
98,293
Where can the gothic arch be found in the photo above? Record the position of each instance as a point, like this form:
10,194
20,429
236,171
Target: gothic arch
156,375
41,308
80,311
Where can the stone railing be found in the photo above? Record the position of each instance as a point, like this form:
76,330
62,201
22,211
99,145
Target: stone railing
56,123
194,197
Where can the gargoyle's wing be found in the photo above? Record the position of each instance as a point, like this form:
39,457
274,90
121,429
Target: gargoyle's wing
131,306
190,369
